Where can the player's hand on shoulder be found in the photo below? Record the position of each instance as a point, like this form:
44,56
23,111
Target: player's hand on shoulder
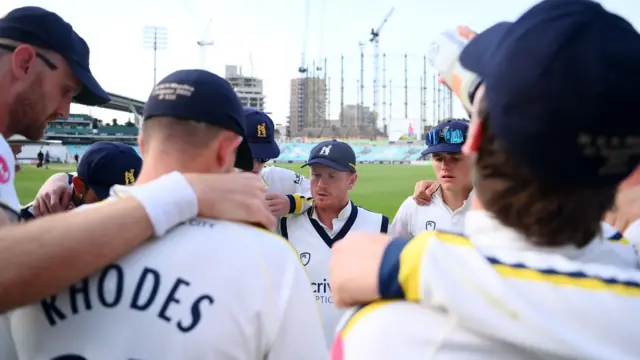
423,191
354,268
233,196
626,210
54,196
279,204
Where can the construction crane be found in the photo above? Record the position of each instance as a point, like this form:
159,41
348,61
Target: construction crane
305,39
251,63
204,42
375,39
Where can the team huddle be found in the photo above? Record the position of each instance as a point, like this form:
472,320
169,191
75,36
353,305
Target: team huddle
508,255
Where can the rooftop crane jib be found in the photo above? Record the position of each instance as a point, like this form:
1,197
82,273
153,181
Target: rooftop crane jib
305,38
204,42
375,39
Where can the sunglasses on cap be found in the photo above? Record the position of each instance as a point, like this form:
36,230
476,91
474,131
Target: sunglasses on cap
263,160
446,135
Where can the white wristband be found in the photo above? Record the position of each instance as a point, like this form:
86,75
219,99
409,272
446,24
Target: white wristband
168,200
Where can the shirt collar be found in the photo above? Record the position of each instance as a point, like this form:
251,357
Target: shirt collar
343,215
437,196
487,232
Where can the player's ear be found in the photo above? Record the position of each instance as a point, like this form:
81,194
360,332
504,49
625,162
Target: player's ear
227,145
352,180
141,142
78,185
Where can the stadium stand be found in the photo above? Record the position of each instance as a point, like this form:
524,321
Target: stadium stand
382,154
79,131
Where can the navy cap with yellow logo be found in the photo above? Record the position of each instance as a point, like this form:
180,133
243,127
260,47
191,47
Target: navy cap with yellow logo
201,96
335,154
106,164
261,134
560,89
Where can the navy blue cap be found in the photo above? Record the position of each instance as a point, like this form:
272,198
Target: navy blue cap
447,139
335,154
260,134
561,90
106,164
202,96
45,29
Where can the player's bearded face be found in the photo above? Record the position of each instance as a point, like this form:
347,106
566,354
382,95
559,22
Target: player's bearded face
28,114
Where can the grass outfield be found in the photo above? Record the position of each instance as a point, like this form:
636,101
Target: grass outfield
380,188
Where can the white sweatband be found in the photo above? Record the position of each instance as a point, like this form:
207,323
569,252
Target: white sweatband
168,200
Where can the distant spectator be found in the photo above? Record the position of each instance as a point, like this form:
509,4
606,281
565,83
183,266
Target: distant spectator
40,158
17,149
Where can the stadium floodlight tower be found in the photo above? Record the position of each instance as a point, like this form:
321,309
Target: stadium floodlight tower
375,39
155,38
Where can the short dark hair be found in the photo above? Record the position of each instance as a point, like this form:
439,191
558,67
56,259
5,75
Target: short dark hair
187,134
547,214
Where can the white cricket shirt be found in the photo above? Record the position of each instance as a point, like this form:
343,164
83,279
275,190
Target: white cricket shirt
495,296
632,233
208,289
412,219
313,242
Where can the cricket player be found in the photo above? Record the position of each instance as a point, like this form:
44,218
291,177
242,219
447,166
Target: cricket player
208,289
332,216
451,202
531,280
287,191
102,166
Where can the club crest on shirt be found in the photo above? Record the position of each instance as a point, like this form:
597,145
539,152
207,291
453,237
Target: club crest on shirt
305,257
430,225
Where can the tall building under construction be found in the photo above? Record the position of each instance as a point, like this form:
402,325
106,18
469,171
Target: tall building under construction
308,104
248,88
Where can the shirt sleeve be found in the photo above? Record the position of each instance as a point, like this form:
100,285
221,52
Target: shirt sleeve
7,347
611,233
299,334
9,202
300,195
633,233
365,333
401,225
399,276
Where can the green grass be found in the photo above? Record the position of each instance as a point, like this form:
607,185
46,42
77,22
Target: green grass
380,188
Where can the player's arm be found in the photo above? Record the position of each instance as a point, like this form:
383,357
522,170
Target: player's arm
401,226
299,334
300,198
31,253
366,267
294,192
53,196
